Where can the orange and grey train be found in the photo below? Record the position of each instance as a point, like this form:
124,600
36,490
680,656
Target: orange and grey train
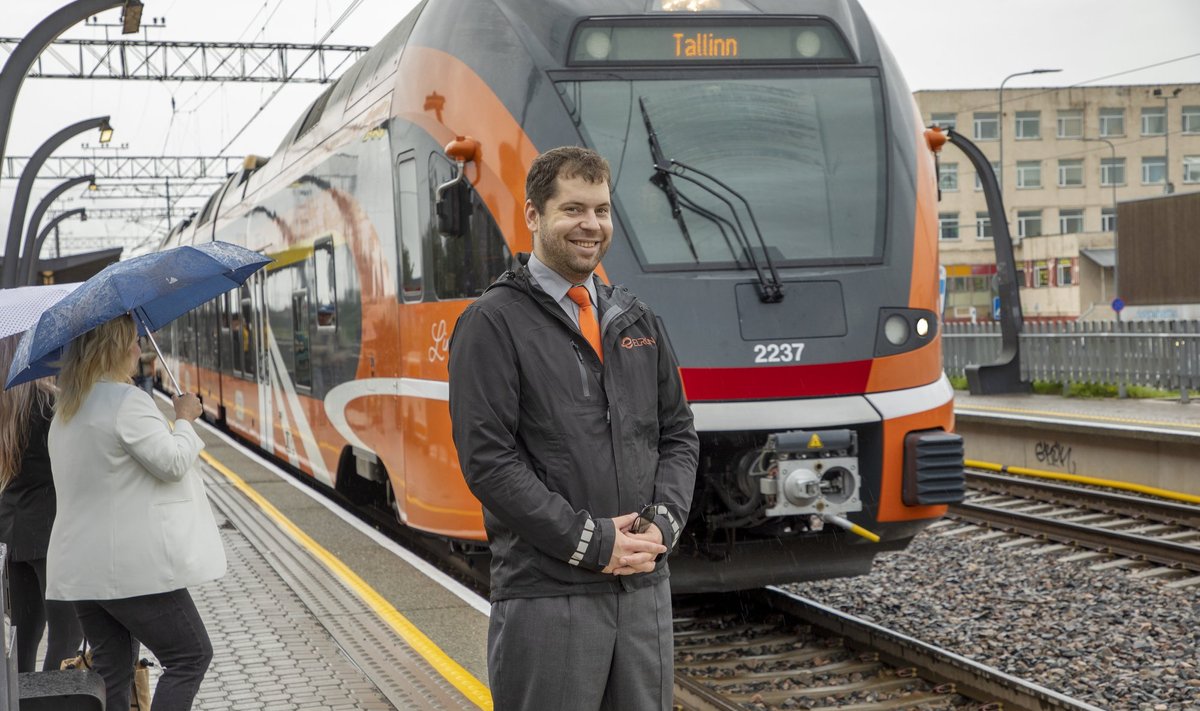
774,199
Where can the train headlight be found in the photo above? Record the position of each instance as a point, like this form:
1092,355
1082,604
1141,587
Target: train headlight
895,329
922,327
808,43
598,44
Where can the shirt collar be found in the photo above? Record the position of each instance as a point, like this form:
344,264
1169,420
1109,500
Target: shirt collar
554,284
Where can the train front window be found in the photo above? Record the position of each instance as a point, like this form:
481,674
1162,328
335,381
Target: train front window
807,154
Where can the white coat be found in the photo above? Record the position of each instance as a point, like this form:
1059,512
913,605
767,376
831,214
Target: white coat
133,518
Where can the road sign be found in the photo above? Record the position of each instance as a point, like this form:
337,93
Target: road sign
995,308
1118,304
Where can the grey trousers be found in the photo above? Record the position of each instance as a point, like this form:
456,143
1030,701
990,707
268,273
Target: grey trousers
583,652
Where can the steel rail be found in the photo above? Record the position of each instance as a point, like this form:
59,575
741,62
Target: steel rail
1128,545
1094,499
970,678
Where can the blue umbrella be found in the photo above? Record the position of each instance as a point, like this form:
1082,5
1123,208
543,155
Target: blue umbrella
156,288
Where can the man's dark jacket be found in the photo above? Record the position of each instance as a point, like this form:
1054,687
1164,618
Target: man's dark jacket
555,444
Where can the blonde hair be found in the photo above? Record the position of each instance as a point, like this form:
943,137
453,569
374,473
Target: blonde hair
17,405
101,353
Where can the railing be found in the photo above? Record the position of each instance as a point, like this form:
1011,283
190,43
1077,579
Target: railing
1156,354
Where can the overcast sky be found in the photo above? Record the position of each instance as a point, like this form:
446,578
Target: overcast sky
960,44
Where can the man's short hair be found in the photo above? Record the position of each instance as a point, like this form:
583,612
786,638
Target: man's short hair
563,162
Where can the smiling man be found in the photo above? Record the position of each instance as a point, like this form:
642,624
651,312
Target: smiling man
572,430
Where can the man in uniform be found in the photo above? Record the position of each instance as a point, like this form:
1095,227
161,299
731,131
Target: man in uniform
573,431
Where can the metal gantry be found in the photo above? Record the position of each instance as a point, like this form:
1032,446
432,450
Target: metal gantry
189,61
128,167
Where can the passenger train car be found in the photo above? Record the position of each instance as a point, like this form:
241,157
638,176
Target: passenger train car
774,201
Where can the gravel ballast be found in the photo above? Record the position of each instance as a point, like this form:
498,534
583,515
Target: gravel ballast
1100,636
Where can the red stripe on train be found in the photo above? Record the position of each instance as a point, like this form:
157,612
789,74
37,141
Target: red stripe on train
780,381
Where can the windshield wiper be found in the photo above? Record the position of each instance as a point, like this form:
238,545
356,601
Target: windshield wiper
662,179
770,289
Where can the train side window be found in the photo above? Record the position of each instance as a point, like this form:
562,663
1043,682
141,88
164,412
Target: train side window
325,284
411,267
301,343
464,266
249,364
223,334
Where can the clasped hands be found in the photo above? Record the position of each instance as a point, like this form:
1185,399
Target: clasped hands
634,552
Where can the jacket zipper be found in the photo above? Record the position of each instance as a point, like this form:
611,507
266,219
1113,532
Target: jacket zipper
583,378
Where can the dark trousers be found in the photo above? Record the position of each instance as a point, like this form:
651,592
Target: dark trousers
583,652
170,627
32,613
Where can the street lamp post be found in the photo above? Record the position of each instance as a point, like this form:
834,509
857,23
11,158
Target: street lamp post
41,239
1121,393
10,275
32,45
1168,187
1001,135
28,256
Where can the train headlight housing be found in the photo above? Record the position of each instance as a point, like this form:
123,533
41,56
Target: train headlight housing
808,44
903,330
597,44
896,329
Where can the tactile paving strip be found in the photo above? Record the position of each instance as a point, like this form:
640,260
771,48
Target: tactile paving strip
399,673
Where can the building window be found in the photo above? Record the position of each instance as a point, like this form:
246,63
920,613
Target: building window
983,225
995,171
1070,221
1154,170
1041,274
1191,119
948,177
1108,219
1070,124
1112,171
948,225
1112,122
1029,223
1191,169
1064,272
946,121
1154,120
1029,124
1070,173
1029,174
987,126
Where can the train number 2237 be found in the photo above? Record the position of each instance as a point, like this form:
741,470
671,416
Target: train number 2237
778,352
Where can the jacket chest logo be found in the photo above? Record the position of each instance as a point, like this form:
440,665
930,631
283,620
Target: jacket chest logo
630,343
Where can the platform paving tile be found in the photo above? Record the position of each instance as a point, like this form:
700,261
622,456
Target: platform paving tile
269,652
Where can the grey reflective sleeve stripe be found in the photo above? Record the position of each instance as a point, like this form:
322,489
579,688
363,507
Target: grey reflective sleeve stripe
676,529
585,540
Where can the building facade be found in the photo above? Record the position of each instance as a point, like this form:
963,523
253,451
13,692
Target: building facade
1070,154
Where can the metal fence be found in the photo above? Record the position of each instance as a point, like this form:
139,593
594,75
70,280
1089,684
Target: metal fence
1156,354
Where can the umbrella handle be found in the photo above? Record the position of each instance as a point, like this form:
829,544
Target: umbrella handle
161,360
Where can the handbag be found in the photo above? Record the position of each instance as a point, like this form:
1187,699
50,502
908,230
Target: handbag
139,693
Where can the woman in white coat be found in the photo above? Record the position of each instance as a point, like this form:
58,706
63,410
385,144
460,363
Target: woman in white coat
134,528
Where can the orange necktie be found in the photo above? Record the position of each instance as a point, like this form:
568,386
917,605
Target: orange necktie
588,326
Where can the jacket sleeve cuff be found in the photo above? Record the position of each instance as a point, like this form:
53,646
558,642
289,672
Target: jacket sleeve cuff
599,552
669,528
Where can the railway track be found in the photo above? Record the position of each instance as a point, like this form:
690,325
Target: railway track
1162,537
770,649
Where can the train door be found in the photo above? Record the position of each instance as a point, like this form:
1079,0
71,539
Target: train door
408,231
208,383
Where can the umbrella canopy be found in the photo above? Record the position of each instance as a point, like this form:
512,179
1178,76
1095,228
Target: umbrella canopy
21,307
157,288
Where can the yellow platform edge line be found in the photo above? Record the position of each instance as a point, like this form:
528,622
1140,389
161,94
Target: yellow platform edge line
1080,479
451,670
1073,415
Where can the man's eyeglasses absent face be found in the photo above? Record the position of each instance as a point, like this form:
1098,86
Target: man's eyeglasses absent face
644,520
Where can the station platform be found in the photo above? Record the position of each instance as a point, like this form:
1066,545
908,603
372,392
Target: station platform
1144,442
317,611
